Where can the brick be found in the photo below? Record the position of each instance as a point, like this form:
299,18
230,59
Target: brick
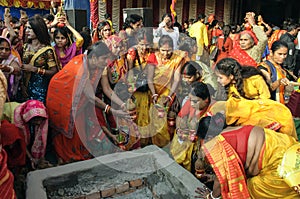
95,195
136,183
81,197
129,191
108,191
120,188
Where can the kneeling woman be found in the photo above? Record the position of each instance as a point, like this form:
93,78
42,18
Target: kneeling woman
245,161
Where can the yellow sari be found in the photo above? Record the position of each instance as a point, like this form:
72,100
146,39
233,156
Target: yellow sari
268,183
162,81
265,113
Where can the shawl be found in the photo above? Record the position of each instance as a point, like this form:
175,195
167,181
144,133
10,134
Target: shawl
70,52
22,116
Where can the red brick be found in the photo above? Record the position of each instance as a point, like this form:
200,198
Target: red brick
95,195
129,191
120,188
108,191
136,183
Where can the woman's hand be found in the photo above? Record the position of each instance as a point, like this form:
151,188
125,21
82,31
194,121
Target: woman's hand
202,191
34,163
120,113
28,67
284,81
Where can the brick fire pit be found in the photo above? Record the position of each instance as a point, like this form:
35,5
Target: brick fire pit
144,173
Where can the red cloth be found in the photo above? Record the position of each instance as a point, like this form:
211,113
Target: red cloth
238,139
14,143
94,8
6,178
152,59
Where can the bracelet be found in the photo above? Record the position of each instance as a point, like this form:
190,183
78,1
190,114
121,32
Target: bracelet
154,95
11,69
213,196
123,105
170,98
106,107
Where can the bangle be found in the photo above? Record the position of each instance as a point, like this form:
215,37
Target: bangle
123,105
154,95
170,98
106,107
11,69
213,196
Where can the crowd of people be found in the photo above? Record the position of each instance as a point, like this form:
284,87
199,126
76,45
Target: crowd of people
216,95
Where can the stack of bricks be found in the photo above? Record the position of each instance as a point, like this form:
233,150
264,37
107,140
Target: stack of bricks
116,190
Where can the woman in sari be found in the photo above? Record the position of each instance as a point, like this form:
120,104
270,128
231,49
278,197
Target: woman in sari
114,86
10,66
32,118
39,60
65,47
163,80
137,61
71,103
102,32
275,74
251,44
247,161
247,82
197,106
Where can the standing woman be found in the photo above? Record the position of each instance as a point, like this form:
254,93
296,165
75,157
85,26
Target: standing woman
65,47
10,66
39,60
103,31
225,43
163,80
137,61
274,73
130,27
166,28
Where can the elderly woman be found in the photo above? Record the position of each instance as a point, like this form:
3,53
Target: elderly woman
10,66
251,44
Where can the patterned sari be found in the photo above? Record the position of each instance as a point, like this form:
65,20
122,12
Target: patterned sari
35,135
6,178
162,81
36,85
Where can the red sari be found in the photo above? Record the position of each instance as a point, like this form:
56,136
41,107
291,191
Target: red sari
6,178
72,116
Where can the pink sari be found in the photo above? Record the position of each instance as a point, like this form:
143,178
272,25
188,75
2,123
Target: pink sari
22,115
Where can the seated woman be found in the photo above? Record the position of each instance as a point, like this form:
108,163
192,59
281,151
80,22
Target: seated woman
65,47
274,73
32,118
247,82
245,161
11,67
197,106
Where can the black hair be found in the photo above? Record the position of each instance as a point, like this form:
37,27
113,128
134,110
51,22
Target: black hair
49,17
40,29
229,66
200,89
226,31
66,33
186,43
98,49
131,19
165,39
191,68
278,44
87,40
211,126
